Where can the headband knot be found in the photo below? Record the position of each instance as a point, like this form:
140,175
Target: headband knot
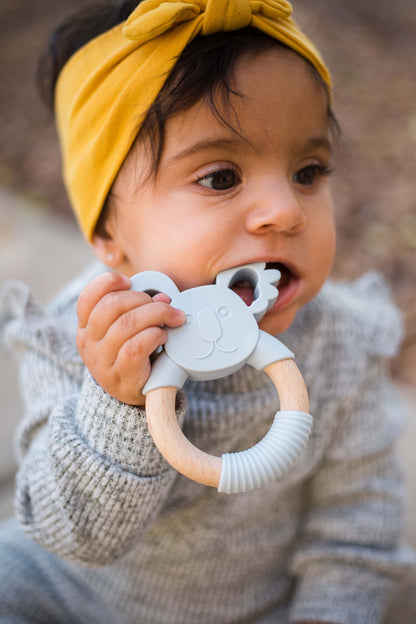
223,16
155,17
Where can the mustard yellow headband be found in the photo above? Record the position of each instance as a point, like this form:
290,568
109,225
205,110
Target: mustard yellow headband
105,90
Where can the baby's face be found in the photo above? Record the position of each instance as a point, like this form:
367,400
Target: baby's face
222,198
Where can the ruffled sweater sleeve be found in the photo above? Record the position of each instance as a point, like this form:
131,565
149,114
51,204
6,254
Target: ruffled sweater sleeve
90,478
350,551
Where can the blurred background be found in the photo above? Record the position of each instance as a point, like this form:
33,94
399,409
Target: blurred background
371,49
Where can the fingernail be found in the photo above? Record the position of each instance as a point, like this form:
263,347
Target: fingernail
161,297
179,313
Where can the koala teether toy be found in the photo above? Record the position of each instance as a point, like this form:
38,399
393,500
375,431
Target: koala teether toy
219,336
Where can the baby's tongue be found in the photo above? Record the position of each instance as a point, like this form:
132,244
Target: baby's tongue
244,290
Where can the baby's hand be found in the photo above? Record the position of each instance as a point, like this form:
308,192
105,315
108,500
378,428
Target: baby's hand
118,330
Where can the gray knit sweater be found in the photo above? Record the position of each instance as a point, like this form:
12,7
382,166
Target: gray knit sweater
150,546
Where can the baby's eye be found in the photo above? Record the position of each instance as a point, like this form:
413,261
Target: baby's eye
307,176
220,180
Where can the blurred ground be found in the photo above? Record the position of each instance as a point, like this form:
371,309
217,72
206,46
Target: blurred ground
371,49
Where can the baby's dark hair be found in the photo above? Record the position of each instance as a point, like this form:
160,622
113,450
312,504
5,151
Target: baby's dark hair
204,70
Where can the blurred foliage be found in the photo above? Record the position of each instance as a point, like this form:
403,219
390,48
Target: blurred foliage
371,49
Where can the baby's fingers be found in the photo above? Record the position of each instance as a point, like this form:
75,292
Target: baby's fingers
131,368
140,318
96,290
135,353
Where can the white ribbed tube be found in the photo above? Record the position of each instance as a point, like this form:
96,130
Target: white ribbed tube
270,458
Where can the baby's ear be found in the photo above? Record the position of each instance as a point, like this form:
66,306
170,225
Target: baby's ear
107,247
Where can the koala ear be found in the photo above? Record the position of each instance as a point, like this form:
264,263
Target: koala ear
263,281
154,282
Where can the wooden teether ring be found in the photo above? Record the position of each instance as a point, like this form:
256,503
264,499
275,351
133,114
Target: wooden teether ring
221,334
265,462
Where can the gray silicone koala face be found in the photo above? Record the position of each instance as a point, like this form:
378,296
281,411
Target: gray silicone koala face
219,334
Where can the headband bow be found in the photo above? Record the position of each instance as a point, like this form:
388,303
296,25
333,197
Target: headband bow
105,90
153,18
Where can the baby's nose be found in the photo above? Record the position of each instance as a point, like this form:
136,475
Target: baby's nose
276,208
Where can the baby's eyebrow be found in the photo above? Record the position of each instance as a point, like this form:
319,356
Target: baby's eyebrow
205,144
320,141
234,142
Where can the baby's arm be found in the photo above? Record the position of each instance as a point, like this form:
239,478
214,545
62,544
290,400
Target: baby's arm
118,330
90,478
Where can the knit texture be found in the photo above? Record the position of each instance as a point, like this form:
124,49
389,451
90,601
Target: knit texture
123,536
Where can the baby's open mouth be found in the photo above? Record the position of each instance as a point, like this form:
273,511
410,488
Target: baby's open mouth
245,288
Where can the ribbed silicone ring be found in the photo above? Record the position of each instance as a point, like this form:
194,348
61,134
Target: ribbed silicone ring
270,458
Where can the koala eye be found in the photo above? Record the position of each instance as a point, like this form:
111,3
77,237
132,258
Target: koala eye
224,312
189,320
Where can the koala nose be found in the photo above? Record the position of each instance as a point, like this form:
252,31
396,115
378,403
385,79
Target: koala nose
208,325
